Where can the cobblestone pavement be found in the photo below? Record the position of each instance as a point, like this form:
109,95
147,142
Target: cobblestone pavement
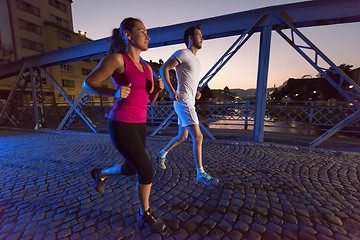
265,192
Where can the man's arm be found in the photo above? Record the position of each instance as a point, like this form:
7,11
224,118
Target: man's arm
171,63
157,87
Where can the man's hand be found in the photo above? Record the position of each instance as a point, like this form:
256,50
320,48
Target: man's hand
123,91
158,84
174,96
198,95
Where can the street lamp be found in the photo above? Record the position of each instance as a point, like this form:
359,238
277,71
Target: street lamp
82,33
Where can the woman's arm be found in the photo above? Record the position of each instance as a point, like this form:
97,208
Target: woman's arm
107,66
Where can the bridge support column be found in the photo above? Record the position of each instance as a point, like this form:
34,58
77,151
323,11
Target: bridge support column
264,56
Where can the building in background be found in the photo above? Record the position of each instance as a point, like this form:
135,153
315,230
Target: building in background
38,26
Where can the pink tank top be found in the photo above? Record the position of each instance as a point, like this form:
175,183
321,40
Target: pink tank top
132,109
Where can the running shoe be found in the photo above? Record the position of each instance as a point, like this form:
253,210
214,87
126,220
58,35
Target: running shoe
207,179
161,160
149,220
99,184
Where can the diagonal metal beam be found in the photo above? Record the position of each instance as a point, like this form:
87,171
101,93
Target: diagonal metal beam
234,48
322,70
67,98
74,107
12,92
335,129
161,126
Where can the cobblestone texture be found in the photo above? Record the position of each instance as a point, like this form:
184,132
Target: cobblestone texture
265,192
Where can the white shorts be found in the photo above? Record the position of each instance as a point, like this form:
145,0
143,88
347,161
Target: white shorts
186,113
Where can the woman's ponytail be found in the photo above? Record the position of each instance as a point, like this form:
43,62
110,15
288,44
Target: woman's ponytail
117,43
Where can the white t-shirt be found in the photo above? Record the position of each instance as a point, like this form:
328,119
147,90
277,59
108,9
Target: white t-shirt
188,75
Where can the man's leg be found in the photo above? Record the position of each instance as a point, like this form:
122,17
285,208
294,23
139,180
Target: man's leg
197,137
179,138
182,136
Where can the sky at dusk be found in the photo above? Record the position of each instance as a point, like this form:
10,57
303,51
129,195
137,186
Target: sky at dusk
338,42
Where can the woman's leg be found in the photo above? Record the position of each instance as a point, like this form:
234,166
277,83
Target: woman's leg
130,140
143,191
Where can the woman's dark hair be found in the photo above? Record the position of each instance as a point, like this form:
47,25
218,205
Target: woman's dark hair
118,42
190,32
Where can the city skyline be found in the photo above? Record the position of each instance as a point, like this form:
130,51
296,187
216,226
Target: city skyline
338,42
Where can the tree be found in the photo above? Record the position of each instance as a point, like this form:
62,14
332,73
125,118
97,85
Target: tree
206,93
332,91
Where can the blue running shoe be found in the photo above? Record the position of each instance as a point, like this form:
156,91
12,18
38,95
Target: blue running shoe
207,179
161,160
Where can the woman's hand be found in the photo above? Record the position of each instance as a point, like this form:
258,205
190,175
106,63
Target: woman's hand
123,91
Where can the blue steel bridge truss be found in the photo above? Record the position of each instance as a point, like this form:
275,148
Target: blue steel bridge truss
282,18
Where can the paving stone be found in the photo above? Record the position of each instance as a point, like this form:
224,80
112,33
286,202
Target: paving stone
225,225
241,226
64,233
321,236
195,237
246,219
216,216
181,234
14,236
274,228
216,234
184,216
8,227
341,237
337,229
230,217
307,236
197,219
253,235
271,235
290,218
324,230
203,230
210,223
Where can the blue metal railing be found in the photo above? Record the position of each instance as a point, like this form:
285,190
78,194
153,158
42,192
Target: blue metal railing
321,115
221,114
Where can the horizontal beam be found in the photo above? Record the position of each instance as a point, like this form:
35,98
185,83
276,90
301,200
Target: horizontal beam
303,14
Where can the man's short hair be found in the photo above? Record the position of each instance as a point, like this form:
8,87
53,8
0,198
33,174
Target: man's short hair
190,32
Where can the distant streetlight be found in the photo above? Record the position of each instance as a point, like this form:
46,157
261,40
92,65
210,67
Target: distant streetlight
351,86
314,92
296,94
82,33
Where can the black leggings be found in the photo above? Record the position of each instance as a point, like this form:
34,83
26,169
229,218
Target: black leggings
130,140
